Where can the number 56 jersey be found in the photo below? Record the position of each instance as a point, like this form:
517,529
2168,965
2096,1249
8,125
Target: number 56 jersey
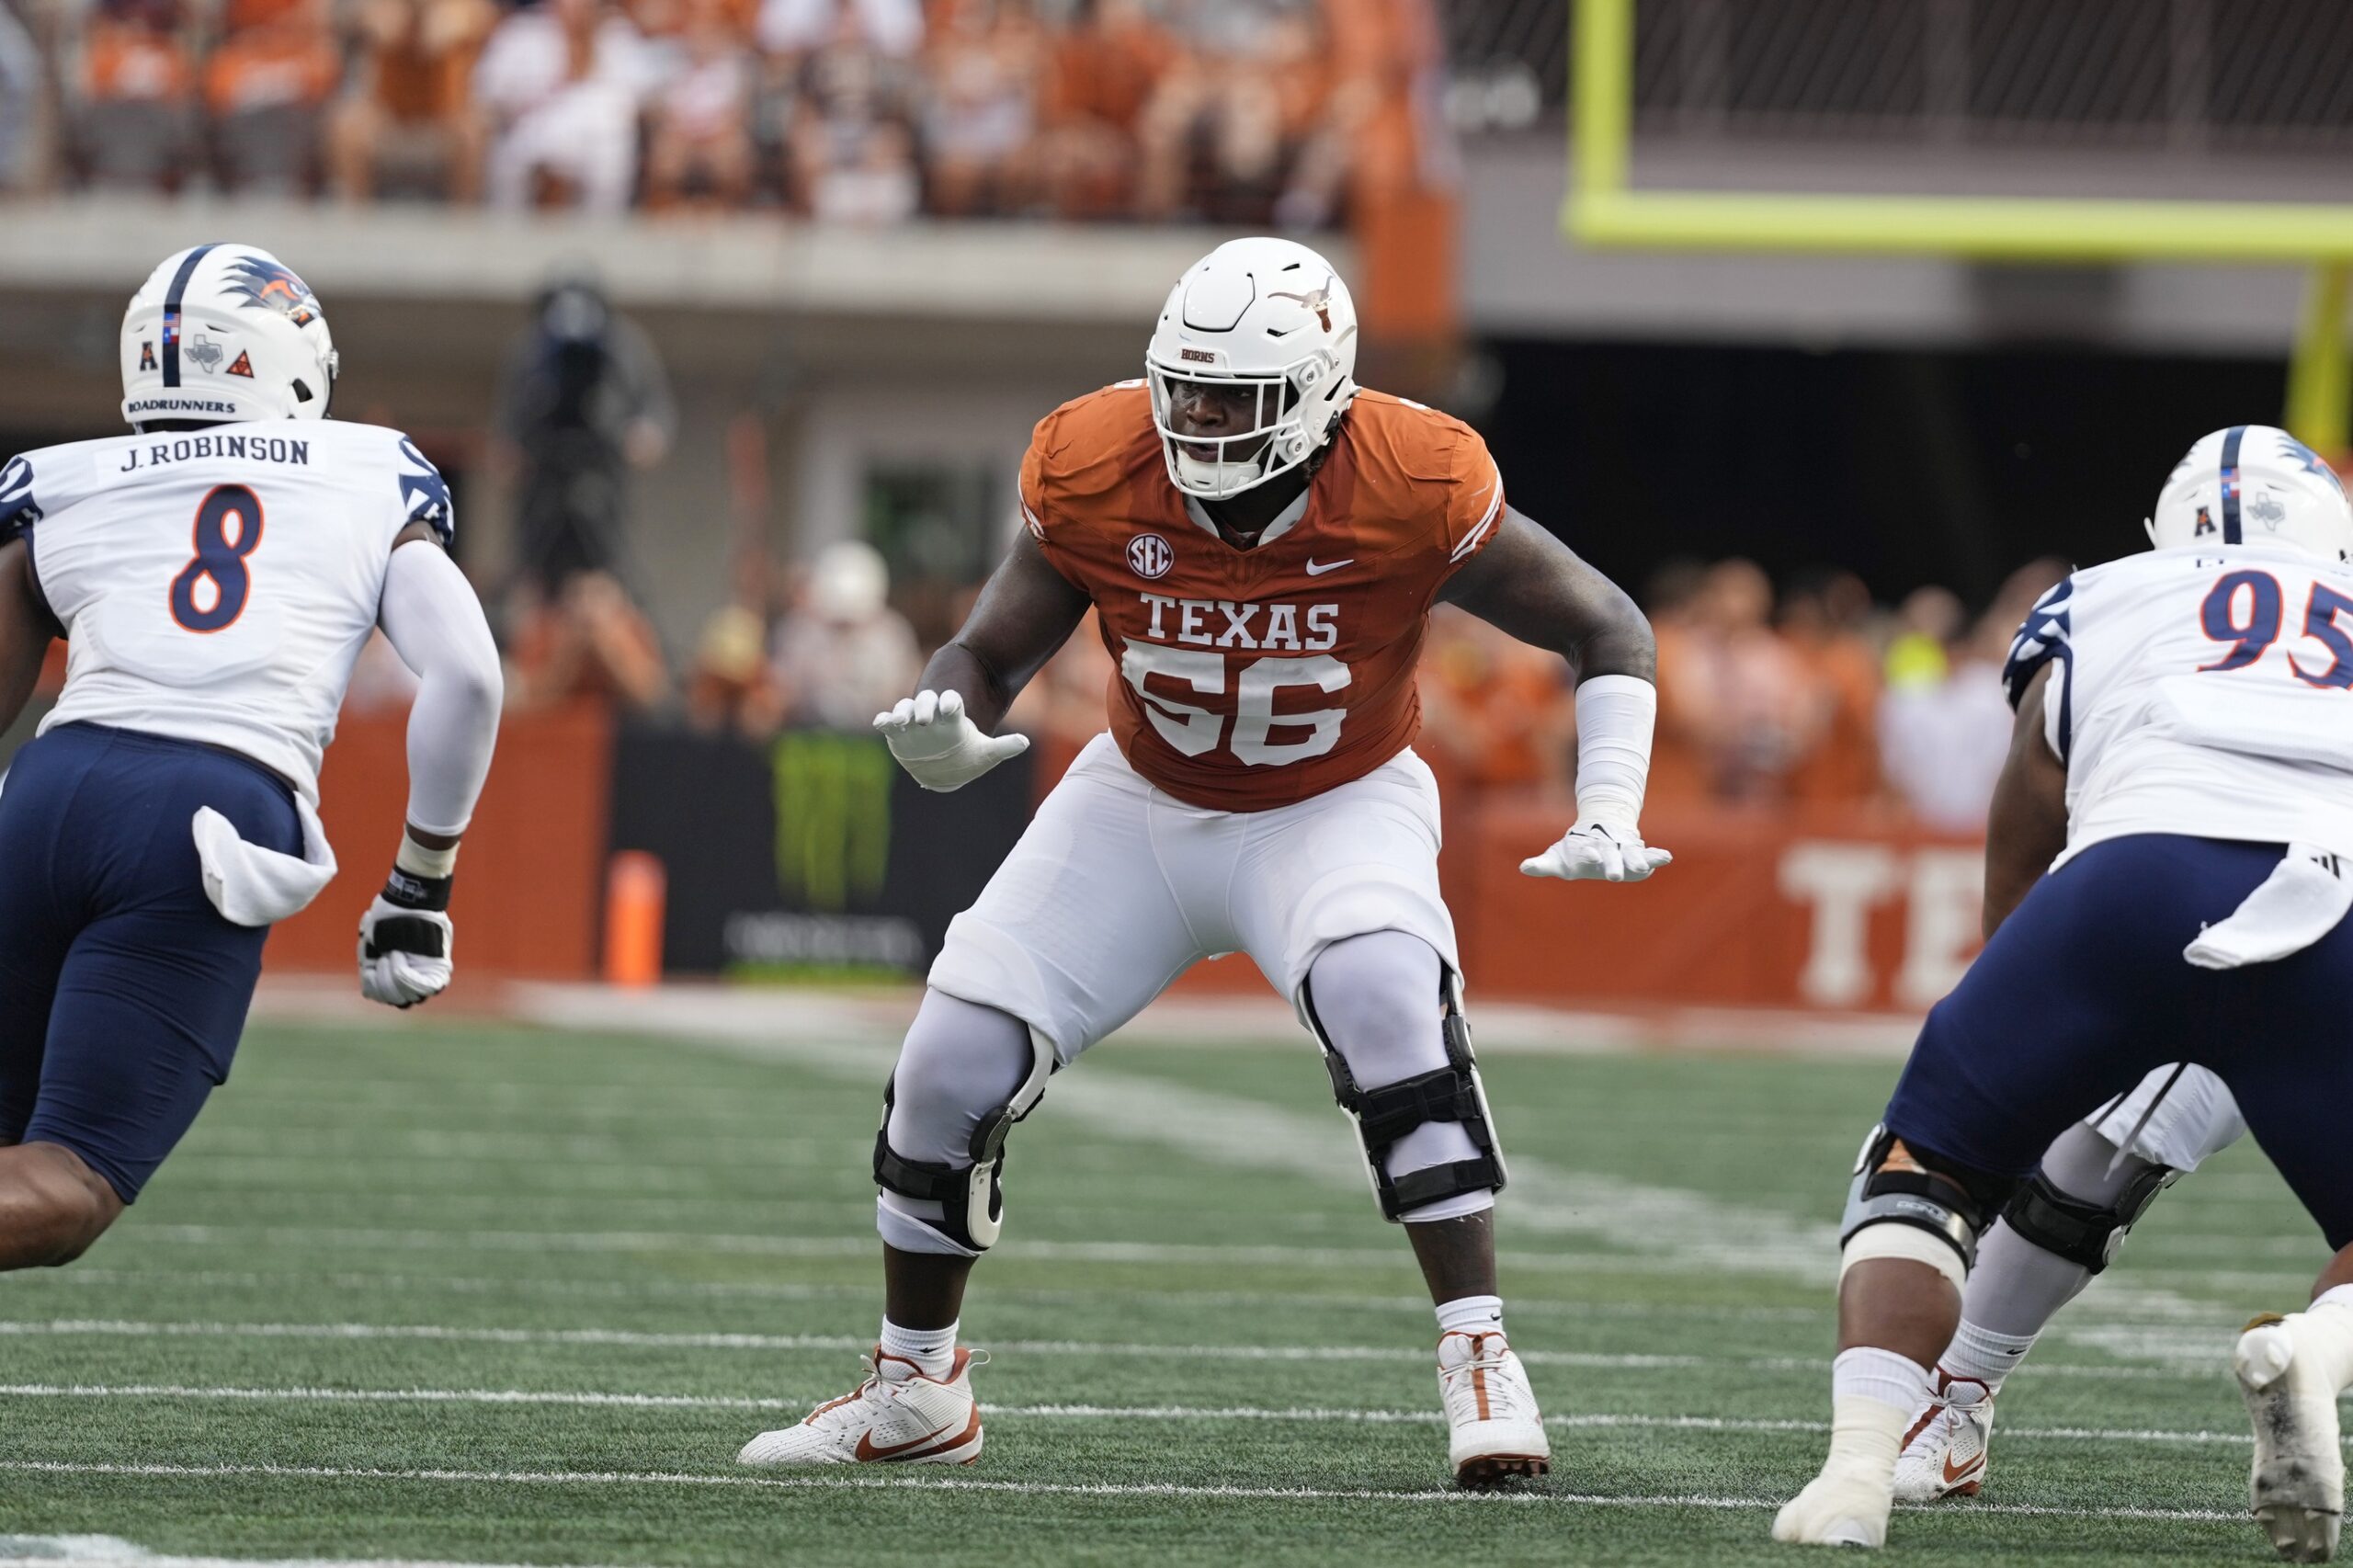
218,584
1251,679
2206,691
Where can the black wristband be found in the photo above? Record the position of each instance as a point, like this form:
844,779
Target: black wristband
412,891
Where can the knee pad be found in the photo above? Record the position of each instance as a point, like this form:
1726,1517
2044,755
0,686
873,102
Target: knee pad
1383,1115
1898,1184
2084,1233
971,1197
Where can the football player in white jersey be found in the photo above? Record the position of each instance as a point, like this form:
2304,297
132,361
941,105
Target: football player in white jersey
2183,765
215,575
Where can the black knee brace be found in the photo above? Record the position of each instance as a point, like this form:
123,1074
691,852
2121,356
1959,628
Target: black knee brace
1383,1115
2084,1234
972,1196
1896,1183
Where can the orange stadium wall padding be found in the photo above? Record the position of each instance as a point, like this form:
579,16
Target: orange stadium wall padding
1815,910
528,896
1828,909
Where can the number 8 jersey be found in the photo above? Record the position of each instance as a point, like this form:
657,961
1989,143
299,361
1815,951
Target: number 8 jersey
218,584
2204,691
1253,678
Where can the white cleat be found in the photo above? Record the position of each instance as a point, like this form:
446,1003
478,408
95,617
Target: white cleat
1838,1508
2297,1486
1945,1451
896,1416
1497,1432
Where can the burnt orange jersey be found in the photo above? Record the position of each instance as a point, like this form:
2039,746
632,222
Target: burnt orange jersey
1252,679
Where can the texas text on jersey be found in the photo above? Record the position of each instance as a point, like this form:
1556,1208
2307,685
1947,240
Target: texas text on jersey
1252,679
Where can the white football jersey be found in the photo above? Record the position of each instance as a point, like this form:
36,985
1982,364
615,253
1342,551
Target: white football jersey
2205,692
218,584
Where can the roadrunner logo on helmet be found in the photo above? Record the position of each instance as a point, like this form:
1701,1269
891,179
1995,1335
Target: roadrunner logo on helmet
1268,323
225,332
2254,484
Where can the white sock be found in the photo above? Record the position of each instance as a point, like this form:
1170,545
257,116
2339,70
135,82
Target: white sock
1872,1395
1982,1354
1897,1381
1471,1314
933,1350
2325,1332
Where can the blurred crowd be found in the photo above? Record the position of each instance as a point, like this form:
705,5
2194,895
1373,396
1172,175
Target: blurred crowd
1235,112
1816,693
1810,694
1807,692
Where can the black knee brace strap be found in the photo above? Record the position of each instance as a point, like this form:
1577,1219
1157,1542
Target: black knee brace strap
1384,1115
972,1196
2084,1233
1896,1183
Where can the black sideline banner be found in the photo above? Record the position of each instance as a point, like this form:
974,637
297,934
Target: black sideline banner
811,853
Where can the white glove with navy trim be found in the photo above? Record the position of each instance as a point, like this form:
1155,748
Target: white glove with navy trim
938,745
406,940
1598,851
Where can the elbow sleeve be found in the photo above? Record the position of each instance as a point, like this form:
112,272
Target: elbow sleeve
436,624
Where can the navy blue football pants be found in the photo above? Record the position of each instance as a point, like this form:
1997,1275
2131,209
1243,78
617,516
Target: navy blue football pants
122,990
2083,989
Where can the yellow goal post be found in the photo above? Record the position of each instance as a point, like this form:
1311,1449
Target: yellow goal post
1604,210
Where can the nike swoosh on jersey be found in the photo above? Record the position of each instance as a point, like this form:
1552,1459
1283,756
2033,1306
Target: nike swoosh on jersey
1317,568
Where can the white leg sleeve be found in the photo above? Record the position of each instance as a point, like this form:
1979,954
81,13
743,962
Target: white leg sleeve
435,623
961,1061
1377,997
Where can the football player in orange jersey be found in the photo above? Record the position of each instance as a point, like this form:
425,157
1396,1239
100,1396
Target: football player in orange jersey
1262,543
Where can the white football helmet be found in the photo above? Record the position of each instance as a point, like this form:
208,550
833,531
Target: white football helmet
2254,484
1266,314
226,333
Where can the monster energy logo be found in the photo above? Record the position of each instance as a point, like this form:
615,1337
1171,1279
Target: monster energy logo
833,816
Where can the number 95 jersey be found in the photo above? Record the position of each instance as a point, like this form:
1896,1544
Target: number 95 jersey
2205,692
1249,679
218,584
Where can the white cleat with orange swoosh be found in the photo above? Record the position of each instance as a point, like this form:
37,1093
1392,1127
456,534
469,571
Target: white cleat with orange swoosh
896,1416
1945,1451
1497,1432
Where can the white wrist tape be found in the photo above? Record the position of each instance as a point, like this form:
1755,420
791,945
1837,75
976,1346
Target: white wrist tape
419,861
1616,715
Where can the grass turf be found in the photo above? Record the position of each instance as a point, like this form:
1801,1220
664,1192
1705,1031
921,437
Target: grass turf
499,1294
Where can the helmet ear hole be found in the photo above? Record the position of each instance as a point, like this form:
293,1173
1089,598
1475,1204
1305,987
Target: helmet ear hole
301,390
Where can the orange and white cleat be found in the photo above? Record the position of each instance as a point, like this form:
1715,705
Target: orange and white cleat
1497,1432
896,1416
1945,1451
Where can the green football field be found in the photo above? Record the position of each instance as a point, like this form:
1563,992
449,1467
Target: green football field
492,1293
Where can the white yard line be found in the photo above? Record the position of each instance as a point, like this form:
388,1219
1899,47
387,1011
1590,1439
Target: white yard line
1255,1019
2201,1368
1234,1131
372,1239
1344,1415
660,1289
1035,1488
112,1551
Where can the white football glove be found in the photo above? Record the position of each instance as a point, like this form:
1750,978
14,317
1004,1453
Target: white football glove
1595,850
403,953
940,747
